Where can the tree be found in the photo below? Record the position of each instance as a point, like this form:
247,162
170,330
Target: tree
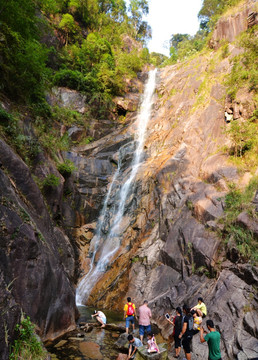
138,8
177,38
67,24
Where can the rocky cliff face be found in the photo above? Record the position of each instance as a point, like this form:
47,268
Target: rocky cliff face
171,252
37,259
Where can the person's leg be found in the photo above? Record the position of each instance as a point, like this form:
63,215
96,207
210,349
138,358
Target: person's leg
133,322
100,321
127,323
141,332
199,312
188,349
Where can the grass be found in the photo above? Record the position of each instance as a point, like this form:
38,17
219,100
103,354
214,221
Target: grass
27,346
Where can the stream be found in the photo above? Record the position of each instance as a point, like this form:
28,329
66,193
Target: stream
96,344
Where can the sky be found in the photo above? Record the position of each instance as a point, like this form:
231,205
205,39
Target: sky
167,17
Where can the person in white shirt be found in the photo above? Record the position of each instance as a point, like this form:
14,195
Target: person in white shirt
100,317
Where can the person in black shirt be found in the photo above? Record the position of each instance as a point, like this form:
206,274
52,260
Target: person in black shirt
187,332
177,323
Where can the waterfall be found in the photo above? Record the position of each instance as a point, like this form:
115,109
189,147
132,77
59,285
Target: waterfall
108,233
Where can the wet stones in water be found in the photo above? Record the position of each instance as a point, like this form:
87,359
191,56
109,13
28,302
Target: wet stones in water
90,350
121,357
86,327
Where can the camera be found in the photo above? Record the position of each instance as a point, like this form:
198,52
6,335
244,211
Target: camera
167,316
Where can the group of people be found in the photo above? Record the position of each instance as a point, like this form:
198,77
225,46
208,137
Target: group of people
130,316
186,324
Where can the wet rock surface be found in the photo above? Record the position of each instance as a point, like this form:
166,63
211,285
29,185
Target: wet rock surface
36,277
171,252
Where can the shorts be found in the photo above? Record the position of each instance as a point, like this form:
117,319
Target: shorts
104,319
186,342
177,341
143,328
128,320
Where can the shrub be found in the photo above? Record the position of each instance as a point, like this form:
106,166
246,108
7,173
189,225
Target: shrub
50,182
27,346
69,78
66,168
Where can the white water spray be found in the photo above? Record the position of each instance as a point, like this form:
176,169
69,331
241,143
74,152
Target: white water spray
108,246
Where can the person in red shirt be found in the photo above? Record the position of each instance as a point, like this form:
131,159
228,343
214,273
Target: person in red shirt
144,319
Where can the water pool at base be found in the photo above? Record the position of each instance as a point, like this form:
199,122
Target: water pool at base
97,344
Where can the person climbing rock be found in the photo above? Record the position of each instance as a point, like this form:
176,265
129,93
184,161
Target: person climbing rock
197,322
177,322
212,339
100,317
129,314
134,344
200,308
187,332
144,319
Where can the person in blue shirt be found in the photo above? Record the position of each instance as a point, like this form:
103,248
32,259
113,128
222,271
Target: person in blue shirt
134,343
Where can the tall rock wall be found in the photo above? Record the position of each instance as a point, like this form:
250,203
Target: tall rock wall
171,252
37,259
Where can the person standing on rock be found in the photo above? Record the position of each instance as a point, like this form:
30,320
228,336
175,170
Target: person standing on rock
144,319
134,343
100,317
213,341
187,332
177,323
129,314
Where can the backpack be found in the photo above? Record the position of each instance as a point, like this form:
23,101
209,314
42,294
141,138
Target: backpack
190,323
130,309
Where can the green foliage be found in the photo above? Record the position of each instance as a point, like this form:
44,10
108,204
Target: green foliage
157,59
244,73
23,70
27,345
66,168
235,203
26,146
211,9
50,182
243,135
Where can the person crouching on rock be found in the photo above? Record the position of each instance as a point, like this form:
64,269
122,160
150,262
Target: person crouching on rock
100,317
134,343
152,345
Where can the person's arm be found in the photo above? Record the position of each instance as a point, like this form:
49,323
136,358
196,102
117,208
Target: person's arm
135,313
157,346
201,335
129,352
183,330
171,322
94,314
134,350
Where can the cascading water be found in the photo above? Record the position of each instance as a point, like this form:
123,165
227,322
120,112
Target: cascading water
107,238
